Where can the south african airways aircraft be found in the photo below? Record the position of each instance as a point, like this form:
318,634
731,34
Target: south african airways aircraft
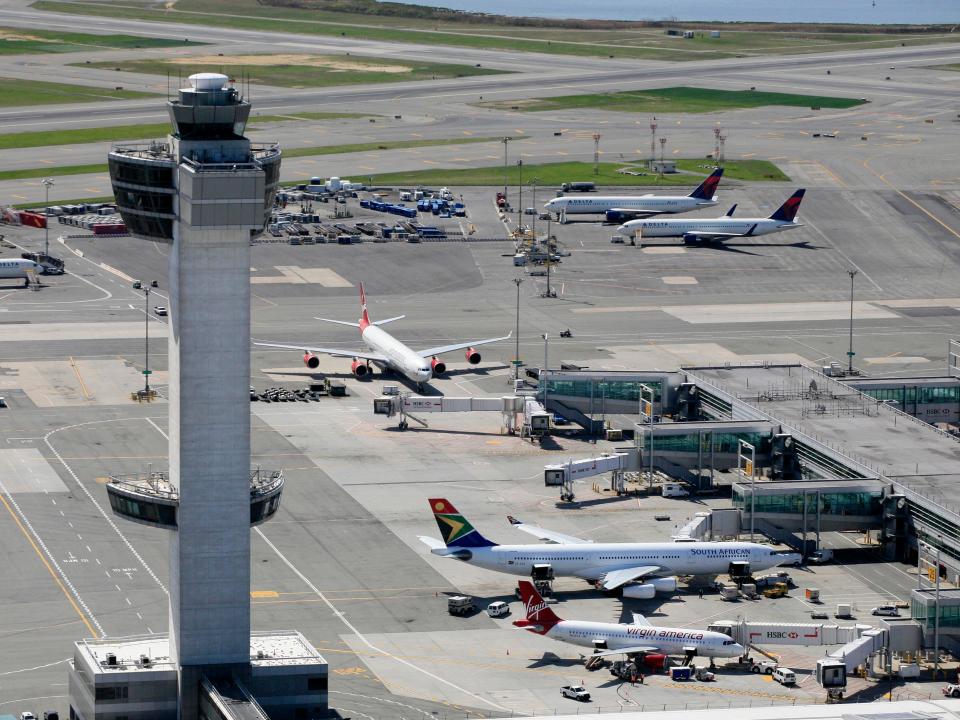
385,351
640,569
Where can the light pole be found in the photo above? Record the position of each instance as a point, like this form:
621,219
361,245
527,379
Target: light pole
47,183
520,196
534,184
146,332
663,145
543,373
516,358
505,141
653,143
852,274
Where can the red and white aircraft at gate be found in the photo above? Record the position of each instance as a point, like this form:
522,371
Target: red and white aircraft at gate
385,351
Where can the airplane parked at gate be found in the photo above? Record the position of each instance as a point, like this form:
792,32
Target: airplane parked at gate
620,208
385,351
721,228
641,569
17,268
604,638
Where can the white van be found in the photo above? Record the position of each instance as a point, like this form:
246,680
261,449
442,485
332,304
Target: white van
498,609
784,676
674,489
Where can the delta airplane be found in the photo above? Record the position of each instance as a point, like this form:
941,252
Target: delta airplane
641,569
385,351
718,229
618,209
618,638
16,268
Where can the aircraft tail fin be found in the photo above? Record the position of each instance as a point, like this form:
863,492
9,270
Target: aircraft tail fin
540,617
455,528
708,187
731,211
364,318
788,211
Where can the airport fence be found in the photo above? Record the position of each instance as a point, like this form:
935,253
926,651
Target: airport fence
635,707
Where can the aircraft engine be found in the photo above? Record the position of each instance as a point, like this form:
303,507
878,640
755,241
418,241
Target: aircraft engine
665,585
359,368
311,361
472,356
647,591
439,366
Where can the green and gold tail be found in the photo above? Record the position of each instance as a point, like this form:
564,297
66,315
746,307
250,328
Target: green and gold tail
455,529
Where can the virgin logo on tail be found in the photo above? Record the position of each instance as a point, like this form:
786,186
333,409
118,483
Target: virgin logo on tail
534,608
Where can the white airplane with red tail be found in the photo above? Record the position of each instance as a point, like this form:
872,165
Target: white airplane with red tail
638,638
385,351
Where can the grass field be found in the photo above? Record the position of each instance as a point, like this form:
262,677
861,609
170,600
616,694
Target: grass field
554,174
628,41
14,41
50,171
18,93
673,100
112,133
301,70
955,67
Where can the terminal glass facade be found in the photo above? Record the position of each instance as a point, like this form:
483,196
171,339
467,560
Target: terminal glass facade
925,614
603,388
916,394
831,503
722,442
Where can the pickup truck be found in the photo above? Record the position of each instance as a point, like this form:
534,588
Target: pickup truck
575,692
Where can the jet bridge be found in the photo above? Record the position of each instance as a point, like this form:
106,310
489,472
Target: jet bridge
405,405
749,633
616,463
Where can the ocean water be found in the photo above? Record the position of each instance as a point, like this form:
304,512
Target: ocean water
787,11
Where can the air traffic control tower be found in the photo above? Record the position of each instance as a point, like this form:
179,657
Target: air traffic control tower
207,190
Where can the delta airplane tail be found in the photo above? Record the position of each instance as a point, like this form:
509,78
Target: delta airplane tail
788,211
708,187
540,616
454,527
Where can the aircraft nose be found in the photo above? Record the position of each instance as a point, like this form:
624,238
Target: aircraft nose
623,230
738,650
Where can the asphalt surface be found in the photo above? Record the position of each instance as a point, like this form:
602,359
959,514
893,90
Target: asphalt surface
344,543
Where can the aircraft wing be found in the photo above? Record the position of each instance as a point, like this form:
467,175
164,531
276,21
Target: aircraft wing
705,235
546,535
627,651
615,578
460,346
634,213
335,352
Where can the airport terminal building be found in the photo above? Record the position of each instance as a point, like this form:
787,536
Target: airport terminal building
829,454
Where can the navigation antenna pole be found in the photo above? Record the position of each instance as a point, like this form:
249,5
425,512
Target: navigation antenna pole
852,274
653,143
516,357
596,153
505,141
46,182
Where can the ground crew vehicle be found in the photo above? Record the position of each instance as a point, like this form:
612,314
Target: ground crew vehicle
785,676
779,589
575,692
498,609
952,691
765,667
460,605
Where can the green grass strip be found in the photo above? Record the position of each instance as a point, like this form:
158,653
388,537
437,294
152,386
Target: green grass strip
674,100
554,174
17,93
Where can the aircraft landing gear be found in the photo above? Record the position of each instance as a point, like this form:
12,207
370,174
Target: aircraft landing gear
403,425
